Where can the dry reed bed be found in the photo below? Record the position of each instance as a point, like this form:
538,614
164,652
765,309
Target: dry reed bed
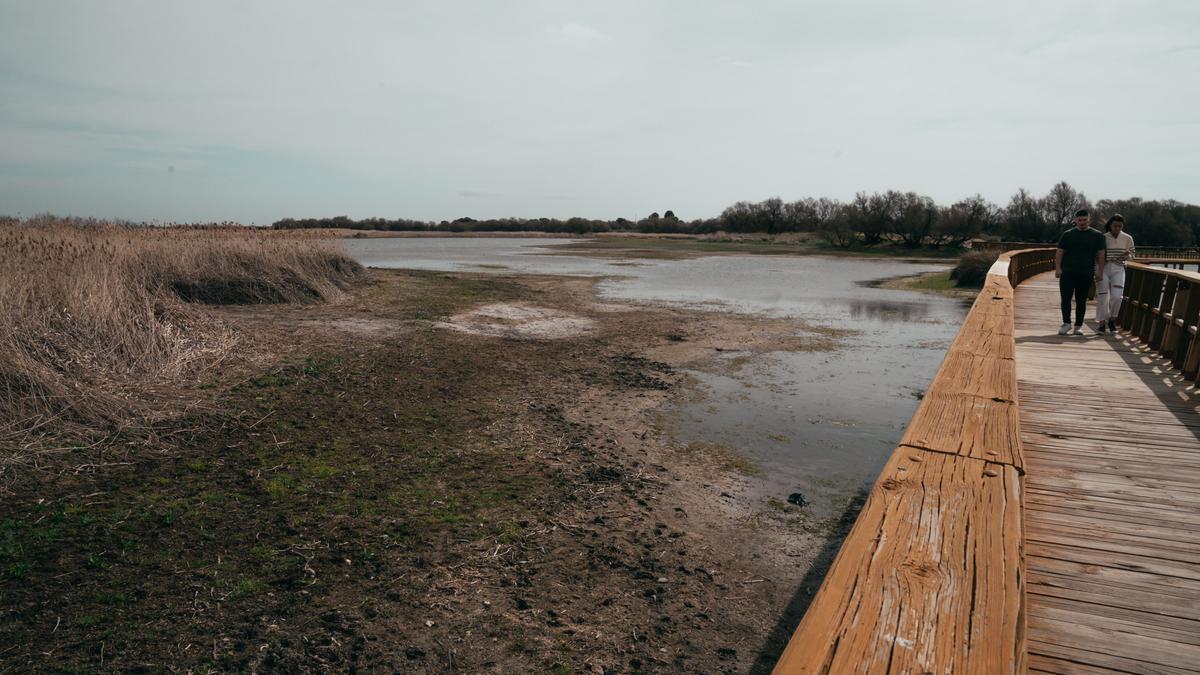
95,316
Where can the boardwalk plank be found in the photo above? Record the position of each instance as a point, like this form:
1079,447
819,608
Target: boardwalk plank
1089,661
1112,499
1080,632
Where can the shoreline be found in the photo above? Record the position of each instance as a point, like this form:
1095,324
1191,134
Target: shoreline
633,245
936,283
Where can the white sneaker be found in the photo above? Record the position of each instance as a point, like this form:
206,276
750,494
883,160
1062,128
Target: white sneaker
1066,328
1078,330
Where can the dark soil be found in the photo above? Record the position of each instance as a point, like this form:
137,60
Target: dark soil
417,501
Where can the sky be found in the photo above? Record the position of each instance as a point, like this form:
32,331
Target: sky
253,110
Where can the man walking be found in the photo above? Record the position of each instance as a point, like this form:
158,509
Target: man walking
1076,263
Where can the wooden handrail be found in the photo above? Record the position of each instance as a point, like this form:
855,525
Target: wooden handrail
931,577
1161,307
1174,253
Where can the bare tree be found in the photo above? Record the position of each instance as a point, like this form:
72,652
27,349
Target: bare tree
1023,220
873,216
963,221
915,218
1059,207
834,223
801,215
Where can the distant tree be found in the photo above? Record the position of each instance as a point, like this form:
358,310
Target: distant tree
873,216
964,221
907,219
801,215
1152,223
738,217
834,224
1059,207
1023,220
771,215
914,220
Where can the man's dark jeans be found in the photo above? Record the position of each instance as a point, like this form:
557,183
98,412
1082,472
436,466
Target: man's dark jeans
1077,284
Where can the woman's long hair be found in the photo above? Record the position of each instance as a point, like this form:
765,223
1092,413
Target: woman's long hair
1114,218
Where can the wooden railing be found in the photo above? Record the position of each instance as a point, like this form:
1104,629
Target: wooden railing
1162,309
931,577
1169,252
1164,253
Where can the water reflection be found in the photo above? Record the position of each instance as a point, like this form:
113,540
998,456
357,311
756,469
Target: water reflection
887,310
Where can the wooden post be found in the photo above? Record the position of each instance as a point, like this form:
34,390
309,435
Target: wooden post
1151,295
1170,334
1133,279
1161,313
1186,310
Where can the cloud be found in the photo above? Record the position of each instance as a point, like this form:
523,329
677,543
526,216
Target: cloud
730,62
624,106
578,35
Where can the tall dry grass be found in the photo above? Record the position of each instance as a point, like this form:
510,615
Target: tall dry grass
93,315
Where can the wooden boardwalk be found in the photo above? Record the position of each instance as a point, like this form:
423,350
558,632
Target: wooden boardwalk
1111,438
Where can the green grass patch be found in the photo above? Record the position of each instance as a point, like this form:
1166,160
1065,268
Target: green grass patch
725,457
247,588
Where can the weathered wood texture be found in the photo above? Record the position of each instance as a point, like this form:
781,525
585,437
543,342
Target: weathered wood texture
930,577
1112,488
926,577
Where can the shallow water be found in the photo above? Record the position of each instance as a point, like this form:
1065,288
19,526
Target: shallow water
820,423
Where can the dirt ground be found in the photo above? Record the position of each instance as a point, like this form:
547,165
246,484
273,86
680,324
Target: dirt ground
444,473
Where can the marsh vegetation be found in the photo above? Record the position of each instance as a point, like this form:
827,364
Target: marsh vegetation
101,317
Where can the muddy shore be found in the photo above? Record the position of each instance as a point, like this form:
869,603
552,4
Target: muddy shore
445,472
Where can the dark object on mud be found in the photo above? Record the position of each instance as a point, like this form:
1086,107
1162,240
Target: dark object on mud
973,267
676,337
798,499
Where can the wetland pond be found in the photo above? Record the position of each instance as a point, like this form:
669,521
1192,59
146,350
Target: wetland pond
821,423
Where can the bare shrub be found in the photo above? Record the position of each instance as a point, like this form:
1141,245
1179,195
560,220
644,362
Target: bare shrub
972,268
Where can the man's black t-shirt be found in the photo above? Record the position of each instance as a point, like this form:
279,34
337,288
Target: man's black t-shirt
1079,250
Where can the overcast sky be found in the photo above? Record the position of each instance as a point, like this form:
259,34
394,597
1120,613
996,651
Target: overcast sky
253,111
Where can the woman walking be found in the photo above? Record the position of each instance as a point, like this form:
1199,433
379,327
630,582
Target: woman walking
1111,286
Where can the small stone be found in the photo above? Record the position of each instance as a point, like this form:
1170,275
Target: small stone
798,499
429,624
662,580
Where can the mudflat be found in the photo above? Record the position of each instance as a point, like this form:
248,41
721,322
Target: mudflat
443,472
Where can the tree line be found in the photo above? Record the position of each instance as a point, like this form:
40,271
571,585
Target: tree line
870,219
